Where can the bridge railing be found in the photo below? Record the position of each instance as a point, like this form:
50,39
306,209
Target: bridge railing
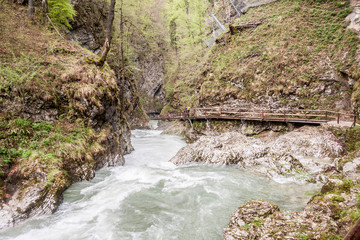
293,115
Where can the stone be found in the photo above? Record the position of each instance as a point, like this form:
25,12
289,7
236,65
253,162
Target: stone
306,150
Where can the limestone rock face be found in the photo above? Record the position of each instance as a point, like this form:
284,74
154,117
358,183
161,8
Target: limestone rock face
89,24
33,190
328,215
152,81
354,17
262,220
308,142
352,168
307,149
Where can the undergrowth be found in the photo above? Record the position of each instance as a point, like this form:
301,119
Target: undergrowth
29,144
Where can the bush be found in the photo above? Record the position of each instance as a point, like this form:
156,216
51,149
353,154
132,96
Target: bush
60,11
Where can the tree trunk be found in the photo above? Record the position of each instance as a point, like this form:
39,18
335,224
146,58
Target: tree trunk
106,47
187,6
44,10
122,84
31,10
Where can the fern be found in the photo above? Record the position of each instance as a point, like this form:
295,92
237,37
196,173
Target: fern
61,11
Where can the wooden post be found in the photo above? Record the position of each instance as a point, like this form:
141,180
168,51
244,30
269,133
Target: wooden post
354,233
262,114
354,120
305,117
338,118
326,115
284,117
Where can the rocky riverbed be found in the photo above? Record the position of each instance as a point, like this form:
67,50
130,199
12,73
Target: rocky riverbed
302,153
315,154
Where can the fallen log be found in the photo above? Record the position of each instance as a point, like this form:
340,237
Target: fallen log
242,27
354,233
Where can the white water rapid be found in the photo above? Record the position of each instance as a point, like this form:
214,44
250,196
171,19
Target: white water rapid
150,198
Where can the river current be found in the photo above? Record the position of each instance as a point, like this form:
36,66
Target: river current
150,198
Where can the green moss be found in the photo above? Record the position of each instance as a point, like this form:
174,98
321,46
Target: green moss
28,143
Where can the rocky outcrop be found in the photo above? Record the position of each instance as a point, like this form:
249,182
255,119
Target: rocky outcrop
326,216
32,189
354,17
89,24
304,150
152,80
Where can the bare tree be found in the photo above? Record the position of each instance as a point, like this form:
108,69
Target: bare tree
106,47
31,9
44,10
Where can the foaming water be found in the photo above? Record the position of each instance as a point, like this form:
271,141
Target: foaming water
150,198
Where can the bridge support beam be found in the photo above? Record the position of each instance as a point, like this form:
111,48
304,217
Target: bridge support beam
208,125
190,122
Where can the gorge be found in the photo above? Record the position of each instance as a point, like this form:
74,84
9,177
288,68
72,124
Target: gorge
79,158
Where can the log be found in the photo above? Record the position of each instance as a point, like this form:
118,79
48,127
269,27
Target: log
354,233
242,27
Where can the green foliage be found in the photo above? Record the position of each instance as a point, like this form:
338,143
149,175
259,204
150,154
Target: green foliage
21,70
187,21
303,236
61,11
355,215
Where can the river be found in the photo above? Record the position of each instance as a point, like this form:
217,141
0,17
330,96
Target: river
150,198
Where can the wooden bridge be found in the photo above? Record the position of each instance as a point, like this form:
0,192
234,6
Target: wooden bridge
312,117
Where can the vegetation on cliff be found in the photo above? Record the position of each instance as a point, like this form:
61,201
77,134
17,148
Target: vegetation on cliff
300,56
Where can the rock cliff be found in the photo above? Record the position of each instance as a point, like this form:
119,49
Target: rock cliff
61,118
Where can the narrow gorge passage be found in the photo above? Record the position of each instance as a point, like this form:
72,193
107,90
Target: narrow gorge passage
150,198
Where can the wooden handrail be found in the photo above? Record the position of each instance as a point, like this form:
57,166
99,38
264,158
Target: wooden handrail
310,116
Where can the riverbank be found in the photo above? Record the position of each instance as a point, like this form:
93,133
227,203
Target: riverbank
61,118
151,198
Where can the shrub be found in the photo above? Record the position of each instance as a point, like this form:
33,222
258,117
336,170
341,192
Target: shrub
60,11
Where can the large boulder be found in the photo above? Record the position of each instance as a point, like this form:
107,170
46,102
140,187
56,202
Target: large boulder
305,150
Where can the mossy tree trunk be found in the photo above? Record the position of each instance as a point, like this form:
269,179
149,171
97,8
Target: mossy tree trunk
106,47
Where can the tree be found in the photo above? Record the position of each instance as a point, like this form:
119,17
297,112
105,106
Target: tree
31,9
44,10
106,47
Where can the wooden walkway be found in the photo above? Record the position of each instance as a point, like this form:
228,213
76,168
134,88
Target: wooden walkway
314,117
